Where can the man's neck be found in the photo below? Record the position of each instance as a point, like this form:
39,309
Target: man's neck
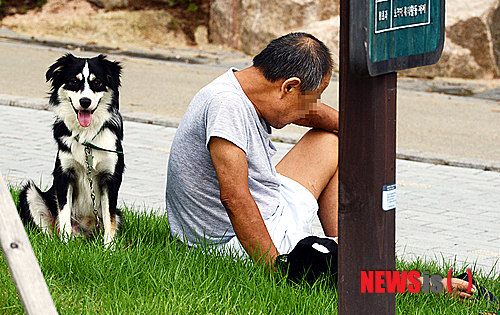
256,87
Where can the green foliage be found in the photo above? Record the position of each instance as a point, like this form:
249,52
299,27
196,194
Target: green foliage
149,272
444,303
19,6
15,190
192,5
40,3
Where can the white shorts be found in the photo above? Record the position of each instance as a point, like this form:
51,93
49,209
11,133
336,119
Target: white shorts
291,222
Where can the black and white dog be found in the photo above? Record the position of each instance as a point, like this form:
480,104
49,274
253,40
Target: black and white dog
89,164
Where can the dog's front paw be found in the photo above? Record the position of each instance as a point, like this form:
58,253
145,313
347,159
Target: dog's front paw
65,234
109,246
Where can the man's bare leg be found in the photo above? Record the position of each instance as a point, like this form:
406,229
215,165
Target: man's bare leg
328,206
313,163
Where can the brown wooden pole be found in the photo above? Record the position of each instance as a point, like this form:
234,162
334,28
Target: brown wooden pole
366,163
21,260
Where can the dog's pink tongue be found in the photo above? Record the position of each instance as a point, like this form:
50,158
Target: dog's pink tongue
84,117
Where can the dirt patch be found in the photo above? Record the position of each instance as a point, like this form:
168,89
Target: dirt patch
78,20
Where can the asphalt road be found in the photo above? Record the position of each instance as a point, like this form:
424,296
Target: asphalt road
429,124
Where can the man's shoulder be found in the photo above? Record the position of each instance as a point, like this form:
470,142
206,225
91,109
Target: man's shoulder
224,85
215,95
223,93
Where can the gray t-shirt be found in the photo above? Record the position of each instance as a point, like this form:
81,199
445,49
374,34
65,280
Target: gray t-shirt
220,109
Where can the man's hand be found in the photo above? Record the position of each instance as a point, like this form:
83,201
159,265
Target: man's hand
459,288
232,172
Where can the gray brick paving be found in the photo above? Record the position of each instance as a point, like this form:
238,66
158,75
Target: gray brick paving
446,213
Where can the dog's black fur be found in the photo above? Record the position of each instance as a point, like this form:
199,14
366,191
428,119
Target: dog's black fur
84,97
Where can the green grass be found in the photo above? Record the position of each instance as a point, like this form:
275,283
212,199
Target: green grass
150,273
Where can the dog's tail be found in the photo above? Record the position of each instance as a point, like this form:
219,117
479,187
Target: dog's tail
37,209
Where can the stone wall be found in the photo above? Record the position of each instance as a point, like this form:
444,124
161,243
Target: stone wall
472,45
249,25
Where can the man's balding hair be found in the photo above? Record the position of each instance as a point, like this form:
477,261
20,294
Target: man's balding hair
298,55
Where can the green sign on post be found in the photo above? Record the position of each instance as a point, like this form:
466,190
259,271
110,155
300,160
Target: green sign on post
391,35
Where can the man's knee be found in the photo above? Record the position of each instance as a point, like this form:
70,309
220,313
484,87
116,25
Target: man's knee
326,140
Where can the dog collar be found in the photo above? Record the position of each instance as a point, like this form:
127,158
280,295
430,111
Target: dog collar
93,146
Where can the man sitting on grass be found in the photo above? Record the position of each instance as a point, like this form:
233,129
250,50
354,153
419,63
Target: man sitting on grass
221,185
222,188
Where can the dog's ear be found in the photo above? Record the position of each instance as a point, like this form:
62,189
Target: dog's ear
58,66
113,71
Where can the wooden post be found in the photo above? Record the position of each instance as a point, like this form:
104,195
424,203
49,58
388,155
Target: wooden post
21,259
366,164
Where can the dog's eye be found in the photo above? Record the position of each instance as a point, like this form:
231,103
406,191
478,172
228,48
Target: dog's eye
97,83
74,82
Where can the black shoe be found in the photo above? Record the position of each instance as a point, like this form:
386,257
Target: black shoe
312,258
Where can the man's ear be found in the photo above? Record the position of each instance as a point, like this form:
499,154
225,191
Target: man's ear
289,85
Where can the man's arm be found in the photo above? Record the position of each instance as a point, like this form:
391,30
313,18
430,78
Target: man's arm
232,172
459,287
321,116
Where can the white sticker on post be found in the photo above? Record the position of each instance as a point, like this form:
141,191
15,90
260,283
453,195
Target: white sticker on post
389,197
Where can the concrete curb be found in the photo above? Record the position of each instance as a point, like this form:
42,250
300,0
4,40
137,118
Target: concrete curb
292,138
193,56
447,159
464,89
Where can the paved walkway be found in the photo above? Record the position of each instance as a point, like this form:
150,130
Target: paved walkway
443,212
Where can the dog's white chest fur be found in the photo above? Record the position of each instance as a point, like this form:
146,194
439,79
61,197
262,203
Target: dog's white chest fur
103,162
